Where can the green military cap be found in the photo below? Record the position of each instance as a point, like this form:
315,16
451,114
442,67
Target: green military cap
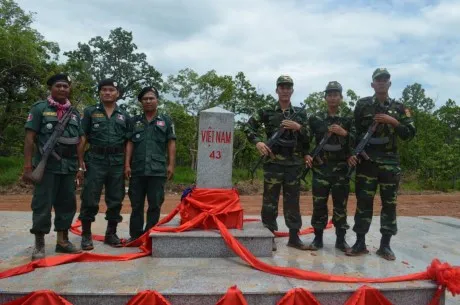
380,72
333,86
284,79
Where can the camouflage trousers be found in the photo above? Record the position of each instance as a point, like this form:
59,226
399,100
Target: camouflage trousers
369,175
287,177
338,185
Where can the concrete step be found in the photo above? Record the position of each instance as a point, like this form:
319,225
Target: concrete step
209,243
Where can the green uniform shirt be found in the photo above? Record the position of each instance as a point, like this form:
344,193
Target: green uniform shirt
102,131
150,142
270,119
338,148
42,119
384,150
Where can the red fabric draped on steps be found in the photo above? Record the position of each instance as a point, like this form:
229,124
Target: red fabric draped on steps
40,297
298,296
148,297
366,295
234,296
442,273
224,204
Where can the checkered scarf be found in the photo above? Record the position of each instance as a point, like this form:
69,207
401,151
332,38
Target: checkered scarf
61,108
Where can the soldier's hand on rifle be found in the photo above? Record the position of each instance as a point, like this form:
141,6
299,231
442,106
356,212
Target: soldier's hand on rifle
308,161
288,124
352,161
25,175
386,119
263,149
338,130
127,171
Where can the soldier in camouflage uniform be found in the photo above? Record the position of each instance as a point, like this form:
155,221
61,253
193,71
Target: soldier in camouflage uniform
383,168
330,167
107,130
284,162
153,142
57,187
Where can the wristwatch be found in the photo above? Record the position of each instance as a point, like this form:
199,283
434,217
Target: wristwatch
81,169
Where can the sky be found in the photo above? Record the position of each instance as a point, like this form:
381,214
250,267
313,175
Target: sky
313,41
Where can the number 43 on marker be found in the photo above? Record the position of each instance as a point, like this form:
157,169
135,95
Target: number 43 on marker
215,154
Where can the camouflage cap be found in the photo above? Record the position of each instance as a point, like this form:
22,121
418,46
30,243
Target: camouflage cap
333,86
284,79
379,72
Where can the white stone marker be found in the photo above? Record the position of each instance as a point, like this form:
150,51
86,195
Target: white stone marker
215,149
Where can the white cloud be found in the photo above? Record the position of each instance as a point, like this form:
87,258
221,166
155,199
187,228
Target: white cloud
314,41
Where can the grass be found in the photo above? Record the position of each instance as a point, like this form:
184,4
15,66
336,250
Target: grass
184,175
10,170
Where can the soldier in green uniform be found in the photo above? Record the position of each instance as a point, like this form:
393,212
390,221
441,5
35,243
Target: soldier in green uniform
330,167
153,136
283,163
383,167
107,129
57,187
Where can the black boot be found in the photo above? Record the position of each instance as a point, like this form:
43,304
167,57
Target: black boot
294,240
274,247
86,238
63,245
317,242
340,242
111,237
385,250
39,249
359,247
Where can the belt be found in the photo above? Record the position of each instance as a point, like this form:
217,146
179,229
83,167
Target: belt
379,141
332,147
66,152
103,150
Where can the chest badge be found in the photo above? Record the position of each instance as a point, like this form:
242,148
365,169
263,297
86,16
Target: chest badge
161,123
120,117
138,136
96,125
49,126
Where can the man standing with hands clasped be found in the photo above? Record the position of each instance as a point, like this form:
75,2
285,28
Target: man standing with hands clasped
153,142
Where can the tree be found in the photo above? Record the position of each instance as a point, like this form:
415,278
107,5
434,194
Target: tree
114,57
449,114
185,129
26,60
413,97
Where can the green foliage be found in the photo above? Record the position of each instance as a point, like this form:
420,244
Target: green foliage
114,57
24,65
10,170
184,175
26,60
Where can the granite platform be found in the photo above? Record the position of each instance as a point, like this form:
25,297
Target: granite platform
209,243
204,280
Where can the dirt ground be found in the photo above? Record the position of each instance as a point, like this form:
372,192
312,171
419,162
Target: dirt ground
444,204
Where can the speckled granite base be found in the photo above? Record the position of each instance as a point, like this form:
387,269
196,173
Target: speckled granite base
201,243
202,281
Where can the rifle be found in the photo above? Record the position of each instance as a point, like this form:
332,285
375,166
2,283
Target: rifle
316,153
48,149
359,150
275,137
